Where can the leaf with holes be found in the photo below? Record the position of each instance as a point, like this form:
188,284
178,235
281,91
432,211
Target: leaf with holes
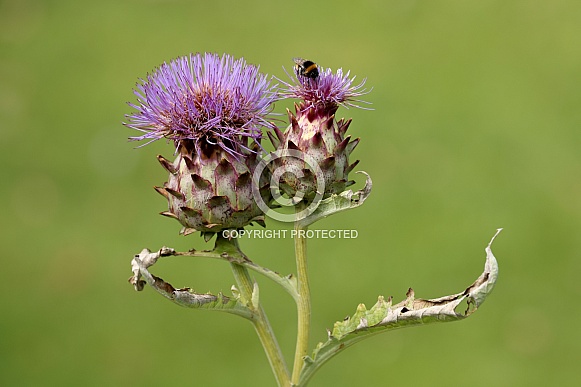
385,316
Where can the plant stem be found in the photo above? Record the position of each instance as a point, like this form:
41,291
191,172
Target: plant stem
303,300
262,326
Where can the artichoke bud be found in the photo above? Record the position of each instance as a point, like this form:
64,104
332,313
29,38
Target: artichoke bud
324,151
211,190
319,148
213,109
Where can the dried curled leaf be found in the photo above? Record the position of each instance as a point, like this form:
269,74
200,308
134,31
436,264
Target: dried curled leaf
185,296
384,316
145,259
222,251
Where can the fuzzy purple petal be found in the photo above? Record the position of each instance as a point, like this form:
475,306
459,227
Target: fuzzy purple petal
327,90
204,98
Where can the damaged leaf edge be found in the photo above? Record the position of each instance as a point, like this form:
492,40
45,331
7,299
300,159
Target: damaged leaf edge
384,316
186,297
148,259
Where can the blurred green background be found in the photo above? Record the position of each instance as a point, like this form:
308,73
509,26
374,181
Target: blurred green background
475,126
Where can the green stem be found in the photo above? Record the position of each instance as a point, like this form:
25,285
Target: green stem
261,324
303,300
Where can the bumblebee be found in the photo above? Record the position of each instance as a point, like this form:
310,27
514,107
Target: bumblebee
306,68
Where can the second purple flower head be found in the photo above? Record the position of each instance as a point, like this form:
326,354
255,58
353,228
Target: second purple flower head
316,134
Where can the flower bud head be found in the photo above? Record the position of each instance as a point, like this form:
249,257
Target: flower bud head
212,191
315,132
213,109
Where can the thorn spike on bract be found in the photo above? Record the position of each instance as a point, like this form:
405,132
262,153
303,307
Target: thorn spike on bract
311,114
166,164
294,124
279,134
189,163
161,191
352,166
187,231
329,122
344,126
273,139
290,114
352,146
169,214
175,193
342,145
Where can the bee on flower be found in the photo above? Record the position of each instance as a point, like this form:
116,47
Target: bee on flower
315,132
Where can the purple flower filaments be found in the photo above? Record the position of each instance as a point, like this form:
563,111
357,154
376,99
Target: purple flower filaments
327,91
204,98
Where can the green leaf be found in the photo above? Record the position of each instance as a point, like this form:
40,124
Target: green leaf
337,203
384,316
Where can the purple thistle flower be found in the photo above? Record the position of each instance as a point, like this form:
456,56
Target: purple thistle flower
328,91
204,99
213,108
315,132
